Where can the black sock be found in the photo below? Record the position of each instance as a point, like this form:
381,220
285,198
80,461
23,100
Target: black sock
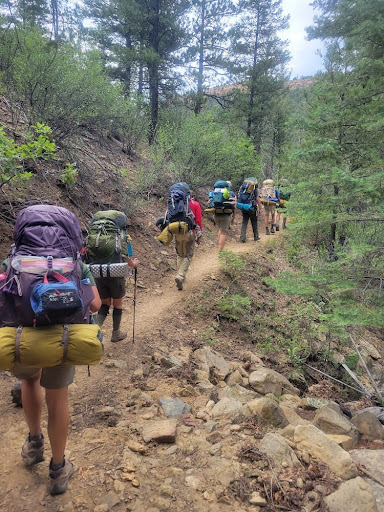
102,314
116,318
56,467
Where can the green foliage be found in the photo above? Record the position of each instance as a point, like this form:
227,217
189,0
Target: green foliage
70,91
233,307
69,176
336,138
14,157
200,149
351,360
231,264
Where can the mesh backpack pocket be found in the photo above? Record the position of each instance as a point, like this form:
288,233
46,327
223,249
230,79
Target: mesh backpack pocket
56,302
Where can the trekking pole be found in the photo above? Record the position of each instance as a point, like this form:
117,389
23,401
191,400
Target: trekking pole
134,304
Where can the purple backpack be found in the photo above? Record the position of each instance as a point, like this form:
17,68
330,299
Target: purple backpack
50,233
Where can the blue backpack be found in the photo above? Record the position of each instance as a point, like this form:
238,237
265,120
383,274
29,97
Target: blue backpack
220,197
178,205
246,198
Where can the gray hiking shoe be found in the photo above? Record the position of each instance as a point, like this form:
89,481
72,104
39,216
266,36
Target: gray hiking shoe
59,477
277,227
267,231
32,451
179,283
118,336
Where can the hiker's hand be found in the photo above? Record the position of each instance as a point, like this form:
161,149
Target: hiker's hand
198,240
133,262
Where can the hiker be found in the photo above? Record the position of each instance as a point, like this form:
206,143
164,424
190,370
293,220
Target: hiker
269,197
222,202
182,222
107,243
281,209
248,201
185,255
46,234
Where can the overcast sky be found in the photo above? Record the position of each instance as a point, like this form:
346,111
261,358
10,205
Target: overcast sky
305,61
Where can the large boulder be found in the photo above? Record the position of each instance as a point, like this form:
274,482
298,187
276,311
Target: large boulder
265,380
317,444
356,495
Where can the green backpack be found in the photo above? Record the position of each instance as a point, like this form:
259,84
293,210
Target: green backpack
107,240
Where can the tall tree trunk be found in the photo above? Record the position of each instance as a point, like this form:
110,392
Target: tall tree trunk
140,86
55,19
332,255
153,68
252,92
200,76
128,67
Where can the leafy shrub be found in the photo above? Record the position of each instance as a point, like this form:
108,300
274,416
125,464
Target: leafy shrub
231,264
67,89
233,307
200,149
13,156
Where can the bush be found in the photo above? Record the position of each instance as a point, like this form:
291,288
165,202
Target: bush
14,157
67,88
200,149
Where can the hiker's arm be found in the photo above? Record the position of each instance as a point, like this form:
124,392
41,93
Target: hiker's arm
96,301
198,217
258,205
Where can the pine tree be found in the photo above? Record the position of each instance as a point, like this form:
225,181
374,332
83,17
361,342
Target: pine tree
258,59
338,197
134,34
207,51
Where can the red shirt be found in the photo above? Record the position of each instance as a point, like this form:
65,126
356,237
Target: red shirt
196,210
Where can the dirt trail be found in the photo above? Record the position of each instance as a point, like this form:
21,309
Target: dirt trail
150,308
95,448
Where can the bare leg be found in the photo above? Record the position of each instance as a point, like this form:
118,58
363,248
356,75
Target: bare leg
117,303
32,402
222,235
58,421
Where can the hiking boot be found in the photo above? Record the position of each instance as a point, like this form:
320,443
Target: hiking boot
32,451
267,231
242,241
257,238
118,336
272,229
60,477
179,283
277,227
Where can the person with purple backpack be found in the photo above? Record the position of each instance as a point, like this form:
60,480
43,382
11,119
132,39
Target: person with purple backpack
46,236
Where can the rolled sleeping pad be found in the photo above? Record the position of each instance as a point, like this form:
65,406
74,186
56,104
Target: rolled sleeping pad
282,204
109,269
269,200
178,228
39,347
245,206
165,237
